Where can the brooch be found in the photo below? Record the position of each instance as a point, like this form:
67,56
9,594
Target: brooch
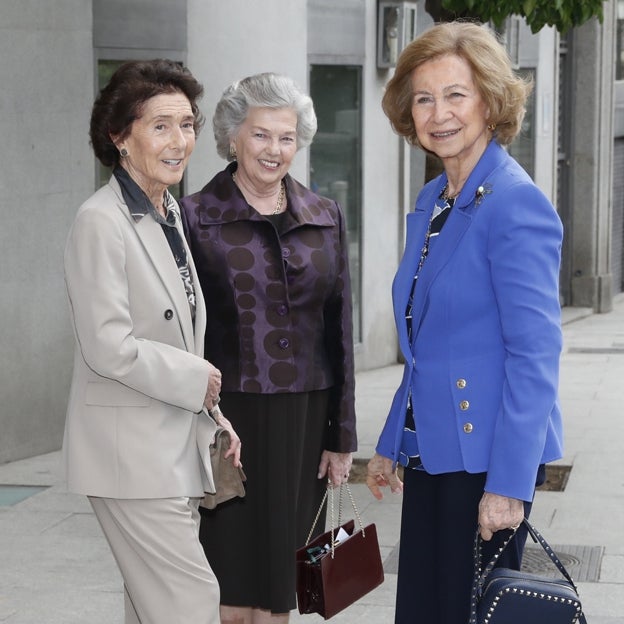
482,191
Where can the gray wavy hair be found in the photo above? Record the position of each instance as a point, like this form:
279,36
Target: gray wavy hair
266,90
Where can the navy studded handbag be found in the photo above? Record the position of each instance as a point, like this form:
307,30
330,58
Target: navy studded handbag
504,596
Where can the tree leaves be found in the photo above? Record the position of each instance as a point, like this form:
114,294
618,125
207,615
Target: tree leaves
562,14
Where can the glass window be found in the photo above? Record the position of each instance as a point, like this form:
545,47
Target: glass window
105,70
523,146
390,36
336,156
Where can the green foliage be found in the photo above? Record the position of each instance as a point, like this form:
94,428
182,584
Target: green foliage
562,14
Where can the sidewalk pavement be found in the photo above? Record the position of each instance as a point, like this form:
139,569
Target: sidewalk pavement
56,567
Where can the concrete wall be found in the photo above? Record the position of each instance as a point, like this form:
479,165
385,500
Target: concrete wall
230,40
140,29
545,43
385,201
46,172
591,191
286,36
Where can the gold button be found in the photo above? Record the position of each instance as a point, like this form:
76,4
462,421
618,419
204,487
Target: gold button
468,428
464,405
461,384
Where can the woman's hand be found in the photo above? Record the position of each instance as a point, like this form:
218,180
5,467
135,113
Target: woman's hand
214,387
235,442
380,474
498,512
336,466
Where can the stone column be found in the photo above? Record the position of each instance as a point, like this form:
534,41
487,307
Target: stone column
591,187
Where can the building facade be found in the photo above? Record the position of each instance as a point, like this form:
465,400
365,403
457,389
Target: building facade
59,53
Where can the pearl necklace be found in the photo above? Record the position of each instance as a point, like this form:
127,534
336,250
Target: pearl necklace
280,197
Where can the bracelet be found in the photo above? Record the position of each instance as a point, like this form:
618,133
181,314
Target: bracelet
215,412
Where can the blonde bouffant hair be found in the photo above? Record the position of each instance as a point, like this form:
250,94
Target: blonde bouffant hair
504,92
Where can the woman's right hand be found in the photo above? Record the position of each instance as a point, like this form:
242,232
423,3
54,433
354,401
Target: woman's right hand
235,442
214,387
380,474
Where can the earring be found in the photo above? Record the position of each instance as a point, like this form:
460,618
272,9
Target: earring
491,127
232,153
123,152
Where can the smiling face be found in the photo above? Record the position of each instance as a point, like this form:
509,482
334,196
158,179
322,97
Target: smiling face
449,113
265,145
159,144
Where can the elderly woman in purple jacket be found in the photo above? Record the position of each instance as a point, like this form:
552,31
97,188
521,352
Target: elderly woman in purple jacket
272,261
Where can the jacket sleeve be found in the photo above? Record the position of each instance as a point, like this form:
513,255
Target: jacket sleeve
144,354
339,343
524,253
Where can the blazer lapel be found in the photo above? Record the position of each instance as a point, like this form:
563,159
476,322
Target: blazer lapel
446,244
416,227
151,236
455,227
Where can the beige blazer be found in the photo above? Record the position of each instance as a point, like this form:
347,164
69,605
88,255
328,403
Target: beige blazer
139,377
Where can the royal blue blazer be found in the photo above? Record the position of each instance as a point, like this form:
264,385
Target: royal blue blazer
483,365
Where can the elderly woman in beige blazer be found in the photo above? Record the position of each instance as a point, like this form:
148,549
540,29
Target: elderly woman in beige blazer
141,389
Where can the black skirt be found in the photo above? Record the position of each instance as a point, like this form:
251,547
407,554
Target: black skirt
250,543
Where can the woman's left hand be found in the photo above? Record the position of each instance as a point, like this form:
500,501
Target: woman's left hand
336,467
235,442
498,512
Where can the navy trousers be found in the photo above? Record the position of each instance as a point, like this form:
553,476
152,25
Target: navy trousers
436,563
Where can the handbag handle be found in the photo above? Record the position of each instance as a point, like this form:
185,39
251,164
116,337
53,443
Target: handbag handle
480,576
331,506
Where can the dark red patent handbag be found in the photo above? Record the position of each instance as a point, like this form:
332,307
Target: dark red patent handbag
331,575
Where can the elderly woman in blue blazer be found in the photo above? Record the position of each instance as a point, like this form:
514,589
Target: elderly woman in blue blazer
477,310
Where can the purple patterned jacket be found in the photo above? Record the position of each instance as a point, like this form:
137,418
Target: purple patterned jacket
278,306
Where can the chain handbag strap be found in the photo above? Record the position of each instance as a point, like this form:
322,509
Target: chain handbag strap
316,519
480,576
331,508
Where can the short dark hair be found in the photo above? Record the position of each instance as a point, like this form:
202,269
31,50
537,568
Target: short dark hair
122,101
